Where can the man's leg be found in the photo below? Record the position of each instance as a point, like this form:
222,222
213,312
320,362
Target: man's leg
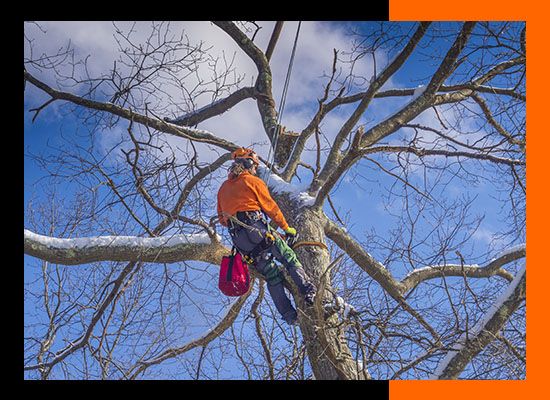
286,256
267,267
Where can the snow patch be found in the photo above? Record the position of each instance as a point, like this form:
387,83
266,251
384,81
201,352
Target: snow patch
346,307
119,241
499,302
503,253
278,185
418,91
510,250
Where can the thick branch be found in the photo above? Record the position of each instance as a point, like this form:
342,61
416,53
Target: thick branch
462,92
425,100
155,123
251,50
443,88
169,249
376,270
333,172
448,64
484,332
492,268
435,152
499,128
266,104
273,41
335,155
485,89
214,109
364,260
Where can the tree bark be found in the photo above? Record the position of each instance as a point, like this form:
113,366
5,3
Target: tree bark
327,349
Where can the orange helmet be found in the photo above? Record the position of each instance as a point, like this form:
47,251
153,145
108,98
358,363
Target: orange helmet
246,153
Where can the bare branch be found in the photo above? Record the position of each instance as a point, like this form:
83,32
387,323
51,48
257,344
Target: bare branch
213,333
499,128
162,126
273,41
266,104
447,66
435,152
335,155
364,260
217,108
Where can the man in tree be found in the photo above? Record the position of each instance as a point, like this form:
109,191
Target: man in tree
438,161
243,199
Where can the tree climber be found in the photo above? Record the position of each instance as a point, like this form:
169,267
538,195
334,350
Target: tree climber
243,202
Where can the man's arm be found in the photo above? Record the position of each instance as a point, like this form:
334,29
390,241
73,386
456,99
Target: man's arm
221,218
269,206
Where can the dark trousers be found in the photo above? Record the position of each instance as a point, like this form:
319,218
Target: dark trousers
246,239
265,264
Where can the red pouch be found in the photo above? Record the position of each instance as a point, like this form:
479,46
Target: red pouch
234,277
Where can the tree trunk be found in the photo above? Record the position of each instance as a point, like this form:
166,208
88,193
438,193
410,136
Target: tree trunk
327,348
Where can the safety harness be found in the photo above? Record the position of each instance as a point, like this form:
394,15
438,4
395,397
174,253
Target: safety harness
242,220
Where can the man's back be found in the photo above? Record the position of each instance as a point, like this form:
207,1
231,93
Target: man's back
247,192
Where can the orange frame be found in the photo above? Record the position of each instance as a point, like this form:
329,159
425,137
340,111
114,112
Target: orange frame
537,220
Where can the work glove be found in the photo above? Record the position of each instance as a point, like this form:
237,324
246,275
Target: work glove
290,231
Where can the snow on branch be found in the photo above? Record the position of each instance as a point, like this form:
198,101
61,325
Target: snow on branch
341,306
278,186
473,341
163,249
491,268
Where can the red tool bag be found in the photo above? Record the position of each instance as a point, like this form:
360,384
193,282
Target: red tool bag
234,277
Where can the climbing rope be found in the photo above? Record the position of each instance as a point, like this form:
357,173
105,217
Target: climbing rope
282,105
271,154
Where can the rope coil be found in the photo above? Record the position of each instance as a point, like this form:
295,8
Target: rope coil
310,243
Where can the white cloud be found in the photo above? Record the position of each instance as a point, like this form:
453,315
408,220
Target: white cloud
242,124
488,237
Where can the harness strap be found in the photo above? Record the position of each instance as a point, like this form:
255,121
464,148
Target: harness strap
236,222
263,245
229,274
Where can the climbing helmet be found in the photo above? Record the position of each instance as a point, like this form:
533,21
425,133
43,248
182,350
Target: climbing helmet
246,154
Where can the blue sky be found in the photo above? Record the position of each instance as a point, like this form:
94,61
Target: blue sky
361,196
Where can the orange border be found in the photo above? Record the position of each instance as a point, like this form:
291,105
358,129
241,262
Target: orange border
505,10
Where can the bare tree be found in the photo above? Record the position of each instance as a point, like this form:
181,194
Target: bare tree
129,266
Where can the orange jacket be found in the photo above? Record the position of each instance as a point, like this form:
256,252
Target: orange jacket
247,192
